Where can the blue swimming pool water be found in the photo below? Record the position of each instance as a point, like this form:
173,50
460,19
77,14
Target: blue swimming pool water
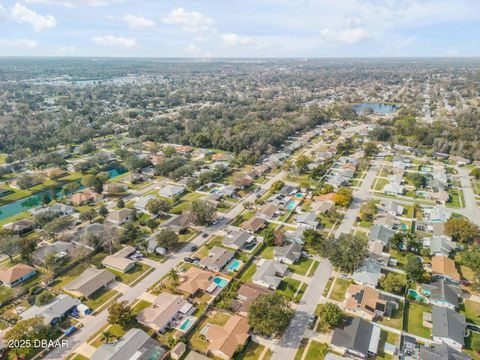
185,325
299,195
221,282
291,205
234,265
415,295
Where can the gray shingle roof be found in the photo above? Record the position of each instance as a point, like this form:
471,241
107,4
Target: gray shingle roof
355,335
441,352
449,324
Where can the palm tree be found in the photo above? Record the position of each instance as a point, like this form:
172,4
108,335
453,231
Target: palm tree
173,275
106,336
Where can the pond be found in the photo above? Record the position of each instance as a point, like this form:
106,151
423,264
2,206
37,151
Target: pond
377,108
34,201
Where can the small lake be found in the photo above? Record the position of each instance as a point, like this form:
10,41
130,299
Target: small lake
377,108
34,201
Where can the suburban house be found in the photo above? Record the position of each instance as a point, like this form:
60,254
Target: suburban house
358,337
61,249
53,312
225,340
141,204
448,327
90,281
165,309
366,302
21,226
393,188
195,279
114,188
307,219
177,223
369,273
437,214
253,224
120,260
237,239
443,294
170,191
388,221
84,197
444,268
216,259
12,276
118,217
288,254
441,352
381,233
246,295
441,245
393,208
135,344
376,253
269,211
269,273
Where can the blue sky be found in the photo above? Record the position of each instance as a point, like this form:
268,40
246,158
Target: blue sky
240,28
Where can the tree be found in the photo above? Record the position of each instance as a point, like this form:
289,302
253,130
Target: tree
27,247
167,238
417,179
44,298
93,182
397,240
471,259
88,215
393,283
370,149
268,236
368,210
103,211
475,173
301,164
172,275
202,212
70,188
120,313
157,206
348,252
461,229
120,203
269,314
330,315
9,244
277,186
414,268
343,197
53,227
107,335
26,331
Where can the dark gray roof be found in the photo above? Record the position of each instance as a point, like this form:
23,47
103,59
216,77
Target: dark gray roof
135,344
441,352
443,291
381,233
449,324
355,335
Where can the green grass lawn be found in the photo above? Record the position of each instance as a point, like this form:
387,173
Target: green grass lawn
101,297
454,200
414,319
288,287
328,286
248,273
396,321
267,252
471,310
301,349
316,351
251,352
301,266
380,184
300,293
468,345
340,289
314,268
130,276
5,293
386,337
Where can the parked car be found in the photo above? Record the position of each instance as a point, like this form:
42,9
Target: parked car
193,247
188,259
70,331
306,254
204,235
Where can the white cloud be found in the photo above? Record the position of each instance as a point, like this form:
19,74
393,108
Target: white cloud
192,22
3,12
110,40
138,22
348,36
19,43
67,50
39,22
235,40
71,3
195,51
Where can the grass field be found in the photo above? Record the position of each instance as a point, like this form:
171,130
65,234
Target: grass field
100,298
251,352
288,287
471,310
316,351
414,319
301,266
248,273
130,276
339,289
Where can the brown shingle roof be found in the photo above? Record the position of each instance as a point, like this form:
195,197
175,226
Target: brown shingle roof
445,266
228,338
9,275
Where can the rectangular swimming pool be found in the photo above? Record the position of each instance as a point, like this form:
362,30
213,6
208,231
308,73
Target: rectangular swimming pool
185,325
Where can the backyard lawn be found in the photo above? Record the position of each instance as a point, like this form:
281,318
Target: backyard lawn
316,351
386,337
301,266
267,252
468,345
414,319
396,321
340,289
471,310
248,273
130,276
288,287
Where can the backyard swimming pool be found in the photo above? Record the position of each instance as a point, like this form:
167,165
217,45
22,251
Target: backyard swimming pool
185,325
417,296
291,205
221,282
234,265
299,195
